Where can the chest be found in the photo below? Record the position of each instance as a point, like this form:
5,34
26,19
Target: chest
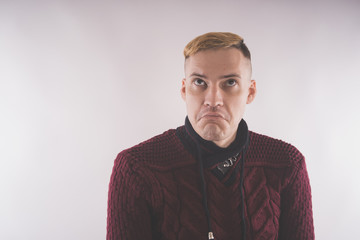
182,213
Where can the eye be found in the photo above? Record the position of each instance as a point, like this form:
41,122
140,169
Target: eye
199,82
231,82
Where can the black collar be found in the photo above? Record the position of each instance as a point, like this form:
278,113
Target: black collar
211,154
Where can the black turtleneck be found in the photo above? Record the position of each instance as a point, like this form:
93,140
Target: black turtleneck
210,153
218,159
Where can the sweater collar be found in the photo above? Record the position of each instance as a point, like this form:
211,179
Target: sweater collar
210,153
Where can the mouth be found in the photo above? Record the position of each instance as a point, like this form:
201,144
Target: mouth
214,116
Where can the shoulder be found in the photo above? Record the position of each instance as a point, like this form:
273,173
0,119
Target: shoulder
267,150
156,145
161,151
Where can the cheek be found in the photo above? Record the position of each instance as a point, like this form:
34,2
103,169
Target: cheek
192,103
193,97
193,91
237,106
193,106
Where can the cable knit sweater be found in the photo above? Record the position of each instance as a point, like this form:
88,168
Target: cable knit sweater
155,191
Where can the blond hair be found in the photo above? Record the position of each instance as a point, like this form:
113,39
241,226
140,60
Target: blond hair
216,40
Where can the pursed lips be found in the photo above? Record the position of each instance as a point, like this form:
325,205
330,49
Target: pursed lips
212,115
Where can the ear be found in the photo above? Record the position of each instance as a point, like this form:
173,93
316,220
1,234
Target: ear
252,92
183,89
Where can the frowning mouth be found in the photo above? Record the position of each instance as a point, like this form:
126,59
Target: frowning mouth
215,116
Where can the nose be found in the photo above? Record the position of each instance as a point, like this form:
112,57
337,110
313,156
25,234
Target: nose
213,96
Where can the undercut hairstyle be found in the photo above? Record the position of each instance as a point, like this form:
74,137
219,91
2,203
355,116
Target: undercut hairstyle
216,40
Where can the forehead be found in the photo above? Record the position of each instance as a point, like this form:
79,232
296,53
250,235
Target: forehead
217,62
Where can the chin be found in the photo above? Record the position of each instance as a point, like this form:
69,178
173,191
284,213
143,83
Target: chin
212,132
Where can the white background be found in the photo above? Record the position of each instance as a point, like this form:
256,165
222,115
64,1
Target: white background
82,80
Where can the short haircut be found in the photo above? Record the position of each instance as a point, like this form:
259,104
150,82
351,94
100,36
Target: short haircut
216,40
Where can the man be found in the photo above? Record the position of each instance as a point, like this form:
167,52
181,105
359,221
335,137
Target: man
211,178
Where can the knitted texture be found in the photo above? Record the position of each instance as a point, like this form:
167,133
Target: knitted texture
154,193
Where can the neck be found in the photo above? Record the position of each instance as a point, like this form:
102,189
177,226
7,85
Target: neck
213,152
226,142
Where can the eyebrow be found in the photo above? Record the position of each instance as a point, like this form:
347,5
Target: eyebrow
231,75
224,76
197,75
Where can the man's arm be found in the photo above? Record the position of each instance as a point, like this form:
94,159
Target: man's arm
296,219
128,215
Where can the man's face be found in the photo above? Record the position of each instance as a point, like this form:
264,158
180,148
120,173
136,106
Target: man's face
216,88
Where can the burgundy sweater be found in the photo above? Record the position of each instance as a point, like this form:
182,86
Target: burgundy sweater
155,190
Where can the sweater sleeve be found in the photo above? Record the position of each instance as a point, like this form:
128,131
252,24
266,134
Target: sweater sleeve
128,215
296,219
